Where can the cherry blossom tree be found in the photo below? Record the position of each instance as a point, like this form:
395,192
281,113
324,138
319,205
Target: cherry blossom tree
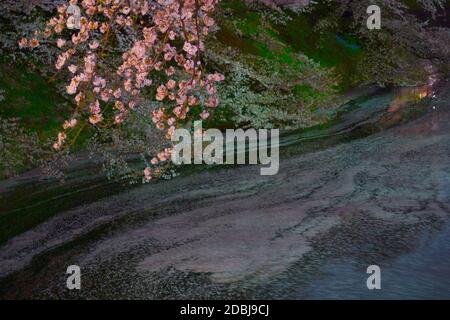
110,77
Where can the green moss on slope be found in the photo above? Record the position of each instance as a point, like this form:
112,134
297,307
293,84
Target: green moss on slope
26,95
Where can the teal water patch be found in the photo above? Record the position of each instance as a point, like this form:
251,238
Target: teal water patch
347,42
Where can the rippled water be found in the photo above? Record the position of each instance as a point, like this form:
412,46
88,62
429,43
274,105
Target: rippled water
423,273
349,194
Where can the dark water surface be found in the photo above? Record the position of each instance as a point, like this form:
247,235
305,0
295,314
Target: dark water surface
371,187
420,274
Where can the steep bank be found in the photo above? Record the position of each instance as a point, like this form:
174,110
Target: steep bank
284,68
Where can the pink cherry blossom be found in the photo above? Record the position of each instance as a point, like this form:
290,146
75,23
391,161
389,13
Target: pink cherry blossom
148,174
204,115
70,124
171,84
165,56
72,68
23,43
94,45
95,118
161,93
60,43
190,49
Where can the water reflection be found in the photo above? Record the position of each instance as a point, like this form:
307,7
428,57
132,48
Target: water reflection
408,95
